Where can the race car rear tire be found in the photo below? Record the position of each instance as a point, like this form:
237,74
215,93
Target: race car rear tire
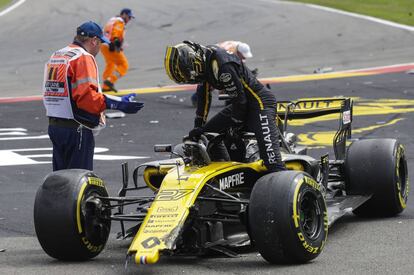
70,222
287,217
377,167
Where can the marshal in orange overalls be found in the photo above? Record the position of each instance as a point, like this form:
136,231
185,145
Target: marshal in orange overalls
115,59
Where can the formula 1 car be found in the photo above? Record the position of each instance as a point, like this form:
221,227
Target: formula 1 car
199,205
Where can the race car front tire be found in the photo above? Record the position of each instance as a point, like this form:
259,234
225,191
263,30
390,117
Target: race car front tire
377,167
71,222
287,217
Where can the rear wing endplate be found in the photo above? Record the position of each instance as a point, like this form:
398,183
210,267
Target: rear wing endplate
311,108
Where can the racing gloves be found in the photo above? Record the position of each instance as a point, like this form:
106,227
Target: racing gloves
126,103
115,45
111,47
198,122
196,133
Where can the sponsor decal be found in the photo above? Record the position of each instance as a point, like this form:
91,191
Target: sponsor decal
150,242
172,194
96,182
312,182
231,181
307,246
157,226
71,54
92,248
296,218
346,117
325,222
163,216
231,89
163,209
309,105
225,77
402,194
271,155
155,231
230,84
54,84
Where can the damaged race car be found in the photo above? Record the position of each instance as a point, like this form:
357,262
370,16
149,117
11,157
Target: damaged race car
192,204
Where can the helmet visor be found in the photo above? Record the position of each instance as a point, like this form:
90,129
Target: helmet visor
183,65
171,65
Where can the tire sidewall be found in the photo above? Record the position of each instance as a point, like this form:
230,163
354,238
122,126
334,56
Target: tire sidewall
305,186
89,185
402,188
274,217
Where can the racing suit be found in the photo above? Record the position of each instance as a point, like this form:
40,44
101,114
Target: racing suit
74,105
115,59
231,47
252,104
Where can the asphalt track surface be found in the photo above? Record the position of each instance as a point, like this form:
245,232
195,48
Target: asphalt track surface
286,39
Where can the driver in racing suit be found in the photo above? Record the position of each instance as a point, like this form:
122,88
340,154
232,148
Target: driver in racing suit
252,105
241,49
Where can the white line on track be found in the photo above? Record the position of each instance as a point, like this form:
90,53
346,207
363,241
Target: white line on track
13,129
351,14
366,17
12,7
25,138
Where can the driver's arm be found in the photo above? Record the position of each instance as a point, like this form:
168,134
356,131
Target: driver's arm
230,79
203,104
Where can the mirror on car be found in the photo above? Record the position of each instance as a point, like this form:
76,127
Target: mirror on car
163,148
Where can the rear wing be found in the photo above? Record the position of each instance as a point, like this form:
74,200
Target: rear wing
311,108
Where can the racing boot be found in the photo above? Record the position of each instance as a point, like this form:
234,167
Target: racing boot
108,86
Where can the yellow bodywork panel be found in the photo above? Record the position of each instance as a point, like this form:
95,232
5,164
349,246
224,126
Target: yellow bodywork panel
167,214
148,173
294,165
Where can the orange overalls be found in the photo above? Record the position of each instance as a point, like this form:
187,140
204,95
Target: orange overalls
116,61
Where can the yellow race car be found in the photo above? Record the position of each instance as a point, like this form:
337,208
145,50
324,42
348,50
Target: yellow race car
191,205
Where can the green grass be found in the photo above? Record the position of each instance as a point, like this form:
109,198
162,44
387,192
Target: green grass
4,3
400,11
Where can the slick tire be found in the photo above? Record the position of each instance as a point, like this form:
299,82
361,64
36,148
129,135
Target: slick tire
287,217
377,167
71,223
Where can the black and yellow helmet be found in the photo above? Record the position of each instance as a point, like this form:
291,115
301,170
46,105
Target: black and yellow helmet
184,63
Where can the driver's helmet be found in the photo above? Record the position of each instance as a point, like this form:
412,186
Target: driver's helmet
184,63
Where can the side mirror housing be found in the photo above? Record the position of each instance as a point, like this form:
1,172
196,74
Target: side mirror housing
163,148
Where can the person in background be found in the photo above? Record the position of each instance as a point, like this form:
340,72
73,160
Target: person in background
253,106
115,59
241,49
74,101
